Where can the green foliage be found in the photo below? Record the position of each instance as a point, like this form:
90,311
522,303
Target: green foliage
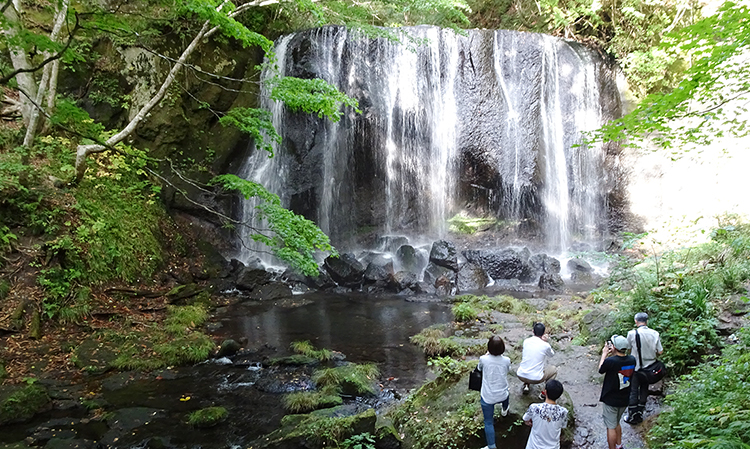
307,349
208,10
23,403
464,312
355,378
175,343
307,401
448,368
630,30
680,291
312,96
366,17
324,431
207,417
291,237
718,75
360,441
710,408
256,123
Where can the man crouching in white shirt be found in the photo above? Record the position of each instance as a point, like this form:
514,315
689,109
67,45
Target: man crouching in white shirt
533,368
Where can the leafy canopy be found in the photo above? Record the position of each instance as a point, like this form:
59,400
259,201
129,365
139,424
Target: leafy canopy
710,100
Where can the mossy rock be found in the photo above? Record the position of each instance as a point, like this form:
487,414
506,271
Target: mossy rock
19,404
444,412
322,428
94,356
207,417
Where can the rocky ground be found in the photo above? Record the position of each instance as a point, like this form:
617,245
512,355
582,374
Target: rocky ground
578,371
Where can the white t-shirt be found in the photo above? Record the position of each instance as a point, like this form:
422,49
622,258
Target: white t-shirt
535,352
547,420
650,346
494,370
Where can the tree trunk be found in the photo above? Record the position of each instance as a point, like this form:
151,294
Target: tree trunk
20,60
47,77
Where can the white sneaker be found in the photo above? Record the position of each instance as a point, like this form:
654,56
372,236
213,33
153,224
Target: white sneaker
504,410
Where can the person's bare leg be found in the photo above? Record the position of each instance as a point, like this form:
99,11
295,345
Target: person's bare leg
618,438
612,438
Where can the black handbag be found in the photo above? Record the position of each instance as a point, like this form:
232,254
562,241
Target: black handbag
475,380
655,371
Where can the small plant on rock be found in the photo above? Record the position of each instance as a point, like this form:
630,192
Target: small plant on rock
207,417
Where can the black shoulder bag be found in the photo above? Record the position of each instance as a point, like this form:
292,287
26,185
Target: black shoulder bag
655,371
475,380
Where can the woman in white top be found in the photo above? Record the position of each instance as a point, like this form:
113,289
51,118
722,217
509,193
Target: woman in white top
494,367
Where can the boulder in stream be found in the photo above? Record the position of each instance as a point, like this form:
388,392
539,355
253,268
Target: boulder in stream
443,253
346,270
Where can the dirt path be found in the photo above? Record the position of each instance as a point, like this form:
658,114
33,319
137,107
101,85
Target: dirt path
578,371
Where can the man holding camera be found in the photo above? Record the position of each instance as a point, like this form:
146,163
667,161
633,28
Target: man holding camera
645,345
618,370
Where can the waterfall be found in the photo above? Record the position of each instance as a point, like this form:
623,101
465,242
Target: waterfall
487,123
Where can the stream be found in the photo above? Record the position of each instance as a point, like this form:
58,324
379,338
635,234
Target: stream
150,409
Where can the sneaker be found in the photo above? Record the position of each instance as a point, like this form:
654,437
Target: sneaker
619,446
525,389
504,410
633,419
542,396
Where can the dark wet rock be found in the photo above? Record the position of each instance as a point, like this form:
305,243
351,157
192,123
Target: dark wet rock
346,270
61,443
443,286
378,270
228,348
552,282
270,291
322,281
443,253
251,278
410,259
403,280
125,420
471,277
502,264
391,243
424,287
41,436
94,357
579,265
434,271
544,264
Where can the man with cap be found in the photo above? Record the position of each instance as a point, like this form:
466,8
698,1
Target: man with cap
650,348
618,369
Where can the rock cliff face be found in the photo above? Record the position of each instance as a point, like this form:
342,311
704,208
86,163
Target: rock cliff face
487,123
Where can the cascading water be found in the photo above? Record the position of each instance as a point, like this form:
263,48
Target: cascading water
488,122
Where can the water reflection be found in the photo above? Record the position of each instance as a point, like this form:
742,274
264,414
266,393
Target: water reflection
364,329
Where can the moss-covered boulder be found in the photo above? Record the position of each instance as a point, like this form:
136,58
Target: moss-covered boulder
445,413
322,428
19,404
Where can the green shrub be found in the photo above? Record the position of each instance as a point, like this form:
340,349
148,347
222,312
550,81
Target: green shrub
464,312
710,408
207,417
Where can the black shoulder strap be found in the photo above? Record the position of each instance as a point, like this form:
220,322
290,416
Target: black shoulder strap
638,344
